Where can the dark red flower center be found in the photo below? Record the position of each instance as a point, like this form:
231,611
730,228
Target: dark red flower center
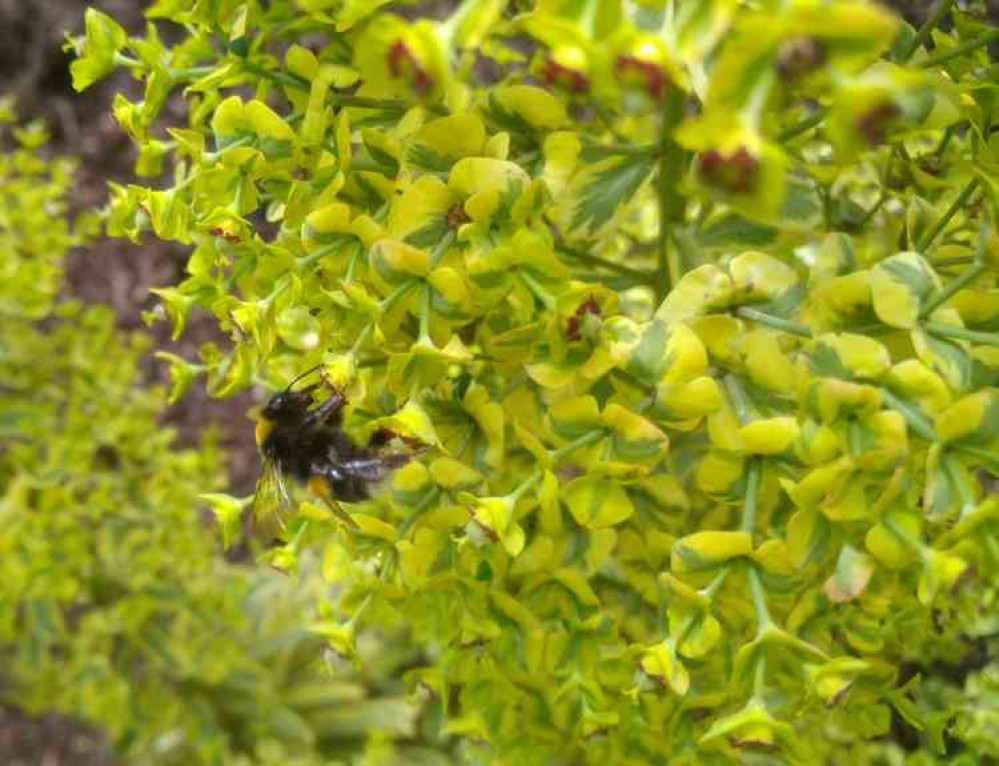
647,73
456,216
873,124
559,74
735,173
227,236
572,327
799,56
404,65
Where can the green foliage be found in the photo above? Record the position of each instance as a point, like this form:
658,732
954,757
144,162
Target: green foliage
115,605
683,497
34,231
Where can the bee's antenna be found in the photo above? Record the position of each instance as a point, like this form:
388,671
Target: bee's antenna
302,375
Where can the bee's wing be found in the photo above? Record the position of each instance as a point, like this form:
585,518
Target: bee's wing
272,502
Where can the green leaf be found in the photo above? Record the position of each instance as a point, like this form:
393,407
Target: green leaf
605,187
182,374
708,550
853,572
973,419
899,287
735,231
228,513
808,537
103,39
597,503
298,328
661,664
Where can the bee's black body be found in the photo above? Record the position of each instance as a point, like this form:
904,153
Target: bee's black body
306,442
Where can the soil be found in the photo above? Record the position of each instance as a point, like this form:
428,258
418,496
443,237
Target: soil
50,740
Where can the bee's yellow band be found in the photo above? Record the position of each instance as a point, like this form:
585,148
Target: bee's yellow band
320,487
264,428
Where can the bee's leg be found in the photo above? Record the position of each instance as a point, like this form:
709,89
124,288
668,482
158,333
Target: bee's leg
383,436
361,472
325,411
366,468
325,486
396,459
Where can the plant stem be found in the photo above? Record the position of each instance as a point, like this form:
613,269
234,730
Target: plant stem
296,541
352,263
763,618
191,73
759,679
644,276
711,588
752,489
536,289
959,50
686,628
616,282
362,336
913,416
941,224
967,494
625,150
671,203
524,486
958,260
322,252
425,310
279,78
856,438
811,121
738,398
583,441
777,323
213,156
365,102
122,59
981,453
337,99
943,7
960,333
440,248
386,303
952,287
361,609
368,165
945,140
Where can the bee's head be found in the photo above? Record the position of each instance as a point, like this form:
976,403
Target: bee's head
288,404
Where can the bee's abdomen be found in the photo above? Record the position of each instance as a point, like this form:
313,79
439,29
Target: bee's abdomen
289,452
351,489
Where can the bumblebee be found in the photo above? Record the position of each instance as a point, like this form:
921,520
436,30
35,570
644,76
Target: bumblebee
302,440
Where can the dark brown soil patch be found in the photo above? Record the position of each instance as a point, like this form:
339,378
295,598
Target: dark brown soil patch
50,740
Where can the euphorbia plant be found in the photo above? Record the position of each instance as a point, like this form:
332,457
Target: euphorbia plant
693,302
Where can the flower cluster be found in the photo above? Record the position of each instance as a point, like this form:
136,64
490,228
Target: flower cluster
692,303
